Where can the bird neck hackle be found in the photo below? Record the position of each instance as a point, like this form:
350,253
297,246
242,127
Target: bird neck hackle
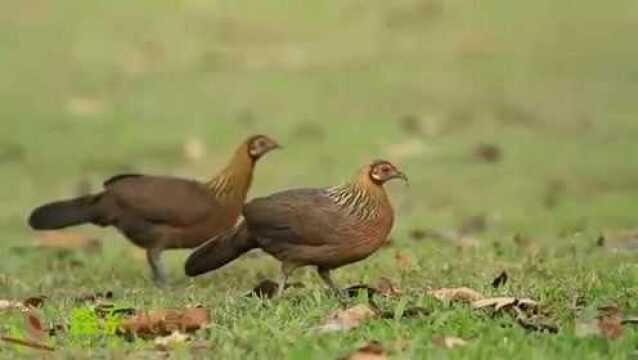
234,180
361,196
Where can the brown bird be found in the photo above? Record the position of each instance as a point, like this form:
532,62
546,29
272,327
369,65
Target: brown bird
158,212
327,228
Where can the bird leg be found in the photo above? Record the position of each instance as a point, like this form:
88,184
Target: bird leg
325,276
154,260
286,270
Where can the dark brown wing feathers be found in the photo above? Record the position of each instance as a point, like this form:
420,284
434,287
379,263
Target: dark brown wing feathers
167,200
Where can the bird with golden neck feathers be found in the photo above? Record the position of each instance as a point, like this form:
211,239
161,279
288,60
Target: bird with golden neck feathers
159,212
326,228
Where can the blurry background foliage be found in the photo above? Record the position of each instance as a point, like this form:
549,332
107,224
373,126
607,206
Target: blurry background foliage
523,112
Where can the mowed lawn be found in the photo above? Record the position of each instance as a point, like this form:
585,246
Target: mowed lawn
516,122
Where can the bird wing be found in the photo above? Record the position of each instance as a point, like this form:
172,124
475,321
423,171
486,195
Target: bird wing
168,200
304,217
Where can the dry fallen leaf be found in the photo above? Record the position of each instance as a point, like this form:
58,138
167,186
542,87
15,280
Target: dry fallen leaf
623,240
348,319
448,342
463,294
34,301
526,312
167,342
27,343
386,287
505,303
35,330
610,322
606,321
33,324
11,305
165,322
369,351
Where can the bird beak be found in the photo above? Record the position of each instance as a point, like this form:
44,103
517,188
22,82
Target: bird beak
402,176
277,146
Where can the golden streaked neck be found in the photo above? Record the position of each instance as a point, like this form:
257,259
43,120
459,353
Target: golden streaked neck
234,181
360,197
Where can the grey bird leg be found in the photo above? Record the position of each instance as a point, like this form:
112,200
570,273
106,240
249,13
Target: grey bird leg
286,270
325,276
154,260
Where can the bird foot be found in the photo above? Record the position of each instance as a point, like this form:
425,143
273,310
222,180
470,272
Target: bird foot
160,279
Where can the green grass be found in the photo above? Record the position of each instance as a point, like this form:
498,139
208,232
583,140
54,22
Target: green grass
90,89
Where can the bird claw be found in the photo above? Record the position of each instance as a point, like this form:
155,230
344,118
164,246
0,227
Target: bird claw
160,281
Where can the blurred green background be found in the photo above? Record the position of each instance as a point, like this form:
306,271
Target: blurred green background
90,89
522,115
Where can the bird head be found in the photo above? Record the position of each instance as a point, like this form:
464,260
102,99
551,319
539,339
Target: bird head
382,171
260,145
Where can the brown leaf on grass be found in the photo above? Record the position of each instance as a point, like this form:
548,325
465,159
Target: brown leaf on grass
386,287
369,351
462,294
33,325
526,312
68,241
448,342
533,322
606,321
610,320
35,330
27,343
34,301
623,240
11,305
166,343
348,319
165,322
500,280
506,303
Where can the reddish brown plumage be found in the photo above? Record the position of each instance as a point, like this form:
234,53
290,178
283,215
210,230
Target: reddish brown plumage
158,213
326,228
